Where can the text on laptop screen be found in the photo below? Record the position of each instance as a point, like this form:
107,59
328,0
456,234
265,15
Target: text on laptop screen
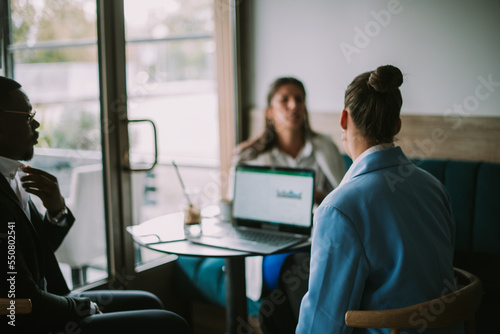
273,195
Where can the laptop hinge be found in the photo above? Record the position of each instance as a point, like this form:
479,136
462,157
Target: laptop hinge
271,227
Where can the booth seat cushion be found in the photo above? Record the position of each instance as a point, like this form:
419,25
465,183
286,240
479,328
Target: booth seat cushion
479,248
486,229
474,189
460,181
204,279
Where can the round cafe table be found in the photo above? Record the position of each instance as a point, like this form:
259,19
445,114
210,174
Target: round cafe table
165,234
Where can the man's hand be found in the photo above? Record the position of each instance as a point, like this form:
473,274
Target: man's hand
94,308
45,186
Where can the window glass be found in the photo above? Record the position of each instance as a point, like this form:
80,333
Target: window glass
37,21
55,60
158,19
171,80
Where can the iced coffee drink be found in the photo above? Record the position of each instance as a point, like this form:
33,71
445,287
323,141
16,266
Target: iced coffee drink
192,222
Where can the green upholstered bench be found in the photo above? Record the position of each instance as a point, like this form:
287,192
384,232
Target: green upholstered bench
474,189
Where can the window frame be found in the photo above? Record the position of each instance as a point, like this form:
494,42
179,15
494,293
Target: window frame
115,143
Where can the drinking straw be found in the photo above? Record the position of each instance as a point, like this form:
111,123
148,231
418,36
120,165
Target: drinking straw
182,183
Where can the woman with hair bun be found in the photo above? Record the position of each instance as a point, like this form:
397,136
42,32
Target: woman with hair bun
384,238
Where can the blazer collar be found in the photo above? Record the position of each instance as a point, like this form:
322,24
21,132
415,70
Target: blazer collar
382,159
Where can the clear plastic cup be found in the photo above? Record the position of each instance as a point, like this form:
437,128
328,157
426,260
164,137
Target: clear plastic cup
192,215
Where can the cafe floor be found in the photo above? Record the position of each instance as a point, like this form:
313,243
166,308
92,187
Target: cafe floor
210,319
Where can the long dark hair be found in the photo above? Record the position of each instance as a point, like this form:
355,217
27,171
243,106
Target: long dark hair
374,102
252,148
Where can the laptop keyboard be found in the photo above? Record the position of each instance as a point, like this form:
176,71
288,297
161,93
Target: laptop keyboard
267,238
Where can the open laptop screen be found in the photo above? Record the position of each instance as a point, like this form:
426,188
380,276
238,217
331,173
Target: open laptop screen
274,195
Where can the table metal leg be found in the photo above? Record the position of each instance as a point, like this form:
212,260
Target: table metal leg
236,300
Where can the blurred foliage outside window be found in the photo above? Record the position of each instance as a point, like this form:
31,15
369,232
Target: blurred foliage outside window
55,56
59,21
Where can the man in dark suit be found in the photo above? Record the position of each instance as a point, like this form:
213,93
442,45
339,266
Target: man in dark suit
29,268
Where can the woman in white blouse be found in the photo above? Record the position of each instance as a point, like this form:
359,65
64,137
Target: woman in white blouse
289,141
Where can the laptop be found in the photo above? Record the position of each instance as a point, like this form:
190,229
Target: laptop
272,210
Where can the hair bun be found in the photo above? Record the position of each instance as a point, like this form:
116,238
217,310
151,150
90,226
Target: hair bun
385,79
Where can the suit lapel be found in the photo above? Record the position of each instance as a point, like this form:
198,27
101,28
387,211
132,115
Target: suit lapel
7,190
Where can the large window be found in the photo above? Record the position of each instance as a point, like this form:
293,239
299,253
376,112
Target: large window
170,79
54,57
170,57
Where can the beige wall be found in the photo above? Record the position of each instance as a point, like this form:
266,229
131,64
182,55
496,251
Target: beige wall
448,51
460,138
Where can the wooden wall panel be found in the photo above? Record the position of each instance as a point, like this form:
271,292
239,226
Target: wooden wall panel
459,138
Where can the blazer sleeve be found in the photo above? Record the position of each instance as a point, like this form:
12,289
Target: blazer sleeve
55,233
51,233
338,272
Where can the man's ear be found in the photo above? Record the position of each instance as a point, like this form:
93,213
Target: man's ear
398,127
343,119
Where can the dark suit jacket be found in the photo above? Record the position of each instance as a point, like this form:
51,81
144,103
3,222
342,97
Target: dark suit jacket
37,274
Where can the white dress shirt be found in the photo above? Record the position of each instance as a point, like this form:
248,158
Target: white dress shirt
11,170
368,151
305,159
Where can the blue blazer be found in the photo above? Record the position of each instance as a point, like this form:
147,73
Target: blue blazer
383,239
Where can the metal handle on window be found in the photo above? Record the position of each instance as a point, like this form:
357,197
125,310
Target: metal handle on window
156,145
